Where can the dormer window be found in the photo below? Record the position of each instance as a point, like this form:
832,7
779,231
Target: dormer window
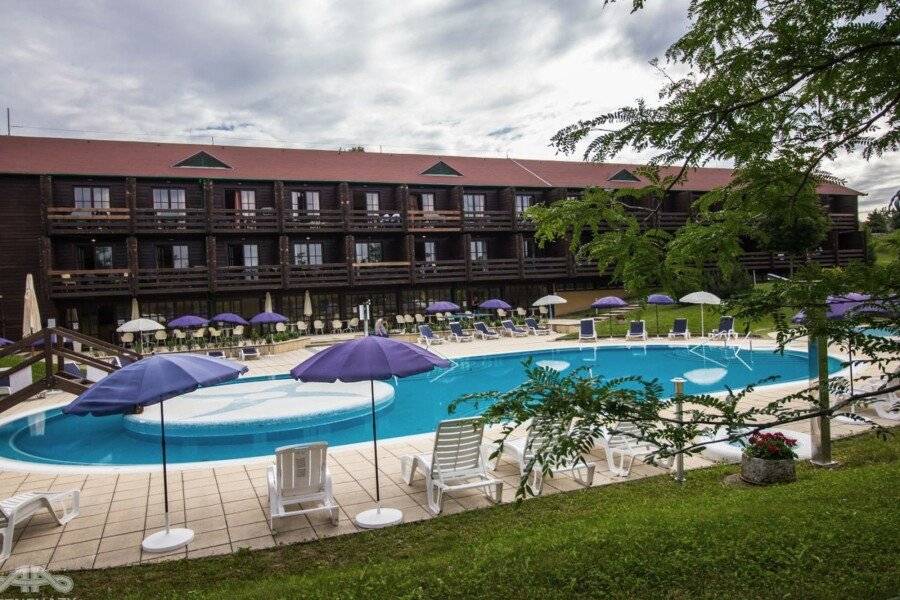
624,175
441,168
202,160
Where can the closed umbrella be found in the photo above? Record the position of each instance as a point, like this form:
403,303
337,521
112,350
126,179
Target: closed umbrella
550,300
367,359
268,304
31,312
657,300
135,310
441,306
608,302
701,298
151,381
307,305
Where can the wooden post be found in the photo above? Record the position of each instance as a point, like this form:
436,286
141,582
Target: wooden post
131,245
349,253
207,191
212,262
345,201
467,254
519,240
410,242
131,200
402,193
284,260
278,192
46,187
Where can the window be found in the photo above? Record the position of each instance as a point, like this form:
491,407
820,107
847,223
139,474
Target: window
94,257
368,252
372,203
245,200
478,250
572,197
473,204
91,197
523,201
169,200
430,252
309,253
180,257
528,248
310,202
251,255
428,202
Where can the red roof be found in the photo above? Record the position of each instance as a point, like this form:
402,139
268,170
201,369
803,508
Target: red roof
70,156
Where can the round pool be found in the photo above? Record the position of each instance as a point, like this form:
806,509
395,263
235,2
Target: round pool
254,415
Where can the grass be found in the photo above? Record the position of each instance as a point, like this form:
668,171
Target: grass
37,369
832,534
887,247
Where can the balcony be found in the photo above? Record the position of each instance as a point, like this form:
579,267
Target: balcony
91,221
229,219
849,255
314,220
843,221
433,220
386,220
495,268
672,220
381,272
549,266
488,220
324,275
187,220
759,260
263,277
445,270
98,282
523,223
173,280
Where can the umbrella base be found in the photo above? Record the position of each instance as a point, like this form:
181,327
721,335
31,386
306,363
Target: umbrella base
377,518
165,541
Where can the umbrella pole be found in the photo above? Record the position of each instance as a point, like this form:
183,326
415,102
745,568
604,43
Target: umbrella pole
375,444
657,321
702,329
609,319
162,428
377,517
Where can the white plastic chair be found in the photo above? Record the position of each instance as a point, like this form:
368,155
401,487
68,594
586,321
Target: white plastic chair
353,324
456,463
625,444
299,477
337,326
302,327
19,508
318,326
280,327
127,339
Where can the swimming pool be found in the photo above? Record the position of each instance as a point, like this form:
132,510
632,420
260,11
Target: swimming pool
417,404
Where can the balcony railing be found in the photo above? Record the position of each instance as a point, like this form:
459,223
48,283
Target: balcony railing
851,255
324,275
433,220
95,282
229,219
672,220
487,220
545,266
385,220
381,272
523,223
173,280
151,220
443,270
495,268
330,219
843,221
68,219
248,278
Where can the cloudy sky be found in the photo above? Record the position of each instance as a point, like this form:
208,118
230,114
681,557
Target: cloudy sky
489,78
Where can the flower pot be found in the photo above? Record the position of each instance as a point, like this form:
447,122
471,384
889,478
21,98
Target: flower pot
760,471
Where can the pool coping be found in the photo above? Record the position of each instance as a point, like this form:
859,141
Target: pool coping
8,464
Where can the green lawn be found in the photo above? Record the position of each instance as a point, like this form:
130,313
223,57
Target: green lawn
832,534
37,369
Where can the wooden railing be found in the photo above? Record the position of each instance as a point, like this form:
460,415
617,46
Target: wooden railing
443,270
523,223
385,220
173,280
843,221
324,275
433,220
487,220
243,278
95,282
672,220
68,219
329,219
495,268
229,219
381,272
150,220
545,266
851,255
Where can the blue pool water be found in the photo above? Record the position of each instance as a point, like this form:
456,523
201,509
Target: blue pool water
877,332
419,403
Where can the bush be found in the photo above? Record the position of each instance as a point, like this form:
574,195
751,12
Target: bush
771,446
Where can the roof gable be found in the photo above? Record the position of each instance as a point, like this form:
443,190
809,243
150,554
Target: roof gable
202,160
441,168
624,175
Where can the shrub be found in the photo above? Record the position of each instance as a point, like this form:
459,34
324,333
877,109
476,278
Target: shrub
771,446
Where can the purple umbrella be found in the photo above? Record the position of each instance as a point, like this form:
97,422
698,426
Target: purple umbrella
367,359
267,318
608,302
151,381
5,342
187,322
658,299
494,303
442,306
230,318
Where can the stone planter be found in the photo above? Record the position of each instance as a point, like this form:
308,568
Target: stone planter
760,471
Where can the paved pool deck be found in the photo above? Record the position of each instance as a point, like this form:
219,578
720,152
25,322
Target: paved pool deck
227,506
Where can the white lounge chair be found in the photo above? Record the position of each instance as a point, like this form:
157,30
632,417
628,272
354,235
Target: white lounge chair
637,330
216,353
21,507
886,406
300,476
725,329
249,352
513,330
458,462
522,451
586,331
428,337
457,334
680,329
534,329
485,332
624,443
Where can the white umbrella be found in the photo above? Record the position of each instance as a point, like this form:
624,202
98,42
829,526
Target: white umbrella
135,310
307,305
139,326
549,300
31,312
701,298
268,302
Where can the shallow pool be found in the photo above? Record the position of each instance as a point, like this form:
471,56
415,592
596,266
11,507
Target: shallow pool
418,404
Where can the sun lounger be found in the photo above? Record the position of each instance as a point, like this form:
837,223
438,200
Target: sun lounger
457,463
637,330
216,353
458,335
680,329
725,330
249,352
428,337
485,332
623,443
534,329
298,479
512,330
19,508
586,331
